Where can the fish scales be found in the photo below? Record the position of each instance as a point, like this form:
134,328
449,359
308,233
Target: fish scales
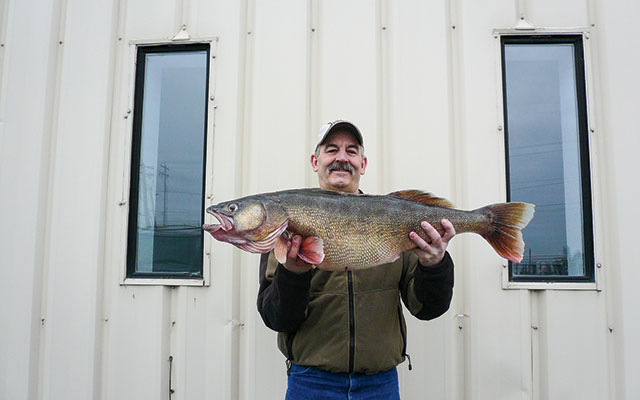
366,229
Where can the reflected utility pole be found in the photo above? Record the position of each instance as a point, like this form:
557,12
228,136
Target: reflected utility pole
164,173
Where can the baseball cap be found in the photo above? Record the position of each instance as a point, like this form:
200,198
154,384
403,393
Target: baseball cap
330,127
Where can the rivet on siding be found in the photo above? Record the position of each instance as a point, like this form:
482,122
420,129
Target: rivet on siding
1,44
249,33
42,321
119,38
599,265
129,111
535,328
126,116
459,327
453,27
313,29
211,98
610,329
60,42
592,130
384,28
106,320
122,203
173,323
237,323
499,127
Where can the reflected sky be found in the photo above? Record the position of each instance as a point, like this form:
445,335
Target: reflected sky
173,139
171,179
543,147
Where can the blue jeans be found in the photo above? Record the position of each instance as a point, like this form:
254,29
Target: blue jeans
307,383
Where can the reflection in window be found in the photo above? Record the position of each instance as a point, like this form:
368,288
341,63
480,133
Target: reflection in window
168,156
547,155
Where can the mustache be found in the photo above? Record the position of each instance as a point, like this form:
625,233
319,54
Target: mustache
339,165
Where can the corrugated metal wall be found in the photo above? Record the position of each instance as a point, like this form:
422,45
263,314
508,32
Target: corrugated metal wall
421,79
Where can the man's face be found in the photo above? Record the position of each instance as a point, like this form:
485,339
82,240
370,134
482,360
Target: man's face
339,163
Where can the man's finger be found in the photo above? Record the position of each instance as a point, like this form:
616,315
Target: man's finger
432,233
449,230
295,247
420,242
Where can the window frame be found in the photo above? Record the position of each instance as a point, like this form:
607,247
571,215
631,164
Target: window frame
590,281
130,146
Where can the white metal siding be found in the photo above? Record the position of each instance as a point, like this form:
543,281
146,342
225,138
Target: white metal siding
421,79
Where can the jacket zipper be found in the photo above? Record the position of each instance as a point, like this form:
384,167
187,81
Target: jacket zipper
289,359
352,339
404,338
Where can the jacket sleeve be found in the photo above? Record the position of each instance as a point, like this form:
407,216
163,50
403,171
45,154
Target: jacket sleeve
283,295
427,291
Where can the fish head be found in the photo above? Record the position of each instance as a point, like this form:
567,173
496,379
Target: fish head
251,223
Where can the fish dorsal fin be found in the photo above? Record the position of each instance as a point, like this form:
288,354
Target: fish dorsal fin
422,197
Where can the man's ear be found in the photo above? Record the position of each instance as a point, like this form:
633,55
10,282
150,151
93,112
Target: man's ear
364,165
314,163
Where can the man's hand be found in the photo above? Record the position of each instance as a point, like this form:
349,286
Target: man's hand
294,263
431,253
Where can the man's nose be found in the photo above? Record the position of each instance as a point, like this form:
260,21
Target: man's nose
342,156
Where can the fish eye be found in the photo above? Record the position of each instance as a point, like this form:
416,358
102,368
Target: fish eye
233,207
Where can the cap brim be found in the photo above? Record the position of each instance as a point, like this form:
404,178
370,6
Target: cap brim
345,125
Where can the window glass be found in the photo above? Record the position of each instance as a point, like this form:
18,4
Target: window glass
166,215
547,155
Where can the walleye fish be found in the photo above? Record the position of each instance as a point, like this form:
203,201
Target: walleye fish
358,231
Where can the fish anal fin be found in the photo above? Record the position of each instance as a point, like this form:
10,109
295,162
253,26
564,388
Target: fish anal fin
281,249
422,197
312,250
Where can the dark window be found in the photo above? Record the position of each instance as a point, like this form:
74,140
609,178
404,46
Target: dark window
547,154
165,239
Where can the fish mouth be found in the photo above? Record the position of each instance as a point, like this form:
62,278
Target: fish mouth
225,222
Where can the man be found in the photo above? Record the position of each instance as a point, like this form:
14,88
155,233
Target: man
343,333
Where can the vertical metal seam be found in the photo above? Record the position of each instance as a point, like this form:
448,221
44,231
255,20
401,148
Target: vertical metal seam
313,81
178,19
186,17
521,10
384,94
47,168
615,381
455,85
243,161
310,106
4,18
101,345
534,304
379,95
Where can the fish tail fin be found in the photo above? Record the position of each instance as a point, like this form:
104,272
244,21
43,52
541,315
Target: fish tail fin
503,230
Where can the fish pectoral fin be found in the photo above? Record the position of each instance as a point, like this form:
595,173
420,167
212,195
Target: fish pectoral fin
281,250
422,197
312,250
